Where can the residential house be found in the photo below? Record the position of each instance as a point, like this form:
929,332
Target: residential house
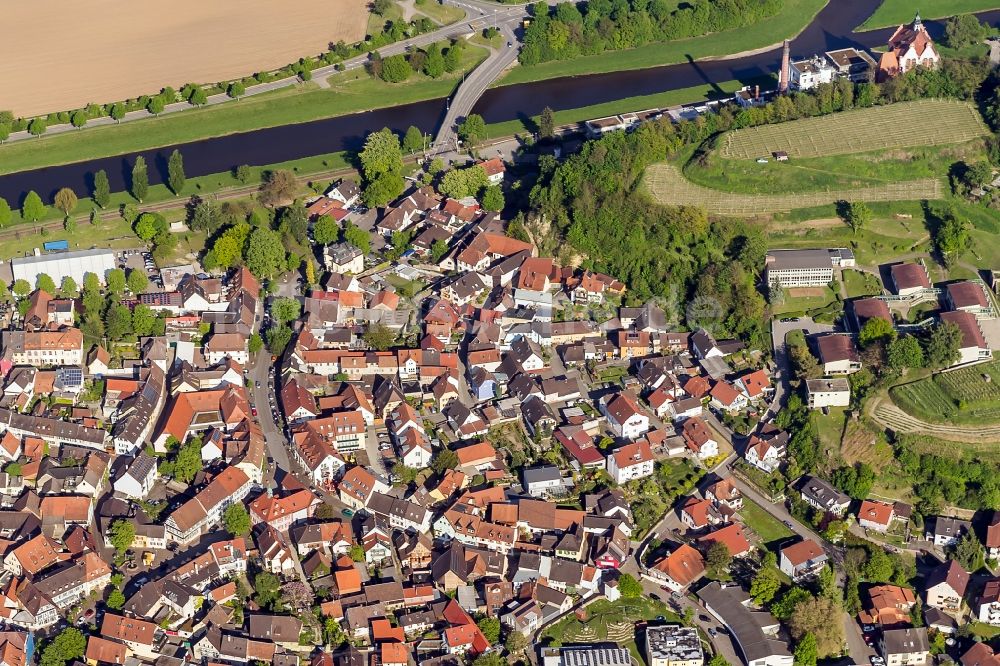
802,560
828,392
625,417
823,496
909,279
679,569
838,354
946,585
632,461
909,47
947,531
973,346
699,439
905,647
875,515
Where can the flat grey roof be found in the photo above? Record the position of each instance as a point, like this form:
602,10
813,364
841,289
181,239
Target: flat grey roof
790,259
727,603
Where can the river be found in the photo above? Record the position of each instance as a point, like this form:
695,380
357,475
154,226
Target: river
831,29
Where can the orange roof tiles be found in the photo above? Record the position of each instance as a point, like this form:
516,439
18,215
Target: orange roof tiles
684,566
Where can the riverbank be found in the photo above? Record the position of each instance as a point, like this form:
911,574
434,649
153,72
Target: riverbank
663,100
349,92
311,102
891,13
794,17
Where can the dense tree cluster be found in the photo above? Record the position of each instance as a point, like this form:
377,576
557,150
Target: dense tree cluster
938,481
569,30
594,199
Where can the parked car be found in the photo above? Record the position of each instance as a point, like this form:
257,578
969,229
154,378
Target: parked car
347,513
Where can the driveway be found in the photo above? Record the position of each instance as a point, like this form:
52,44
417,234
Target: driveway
779,330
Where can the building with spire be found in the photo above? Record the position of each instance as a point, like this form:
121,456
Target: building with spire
910,46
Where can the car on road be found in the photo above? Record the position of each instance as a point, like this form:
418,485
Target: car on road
253,410
510,44
257,384
788,523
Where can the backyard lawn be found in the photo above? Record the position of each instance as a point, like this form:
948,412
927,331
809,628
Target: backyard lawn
609,621
859,283
767,527
830,427
802,299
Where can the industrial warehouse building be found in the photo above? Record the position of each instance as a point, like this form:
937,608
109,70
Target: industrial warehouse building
60,264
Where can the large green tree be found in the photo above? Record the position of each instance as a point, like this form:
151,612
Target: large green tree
175,172
265,254
876,330
32,209
326,230
68,644
943,343
121,534
813,616
382,167
236,519
65,200
963,30
102,189
472,130
379,337
285,309
140,179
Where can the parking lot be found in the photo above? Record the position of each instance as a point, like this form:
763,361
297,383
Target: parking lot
139,259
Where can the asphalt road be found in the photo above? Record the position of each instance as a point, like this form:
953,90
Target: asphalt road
476,83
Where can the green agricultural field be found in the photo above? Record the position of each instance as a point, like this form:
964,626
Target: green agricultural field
894,12
921,123
667,185
970,396
835,172
793,17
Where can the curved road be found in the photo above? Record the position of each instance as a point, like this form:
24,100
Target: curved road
832,28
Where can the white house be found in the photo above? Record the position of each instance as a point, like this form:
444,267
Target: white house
625,417
809,73
832,392
802,560
973,346
138,478
632,461
343,258
988,608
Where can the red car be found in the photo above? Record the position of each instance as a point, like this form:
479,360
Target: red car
253,410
